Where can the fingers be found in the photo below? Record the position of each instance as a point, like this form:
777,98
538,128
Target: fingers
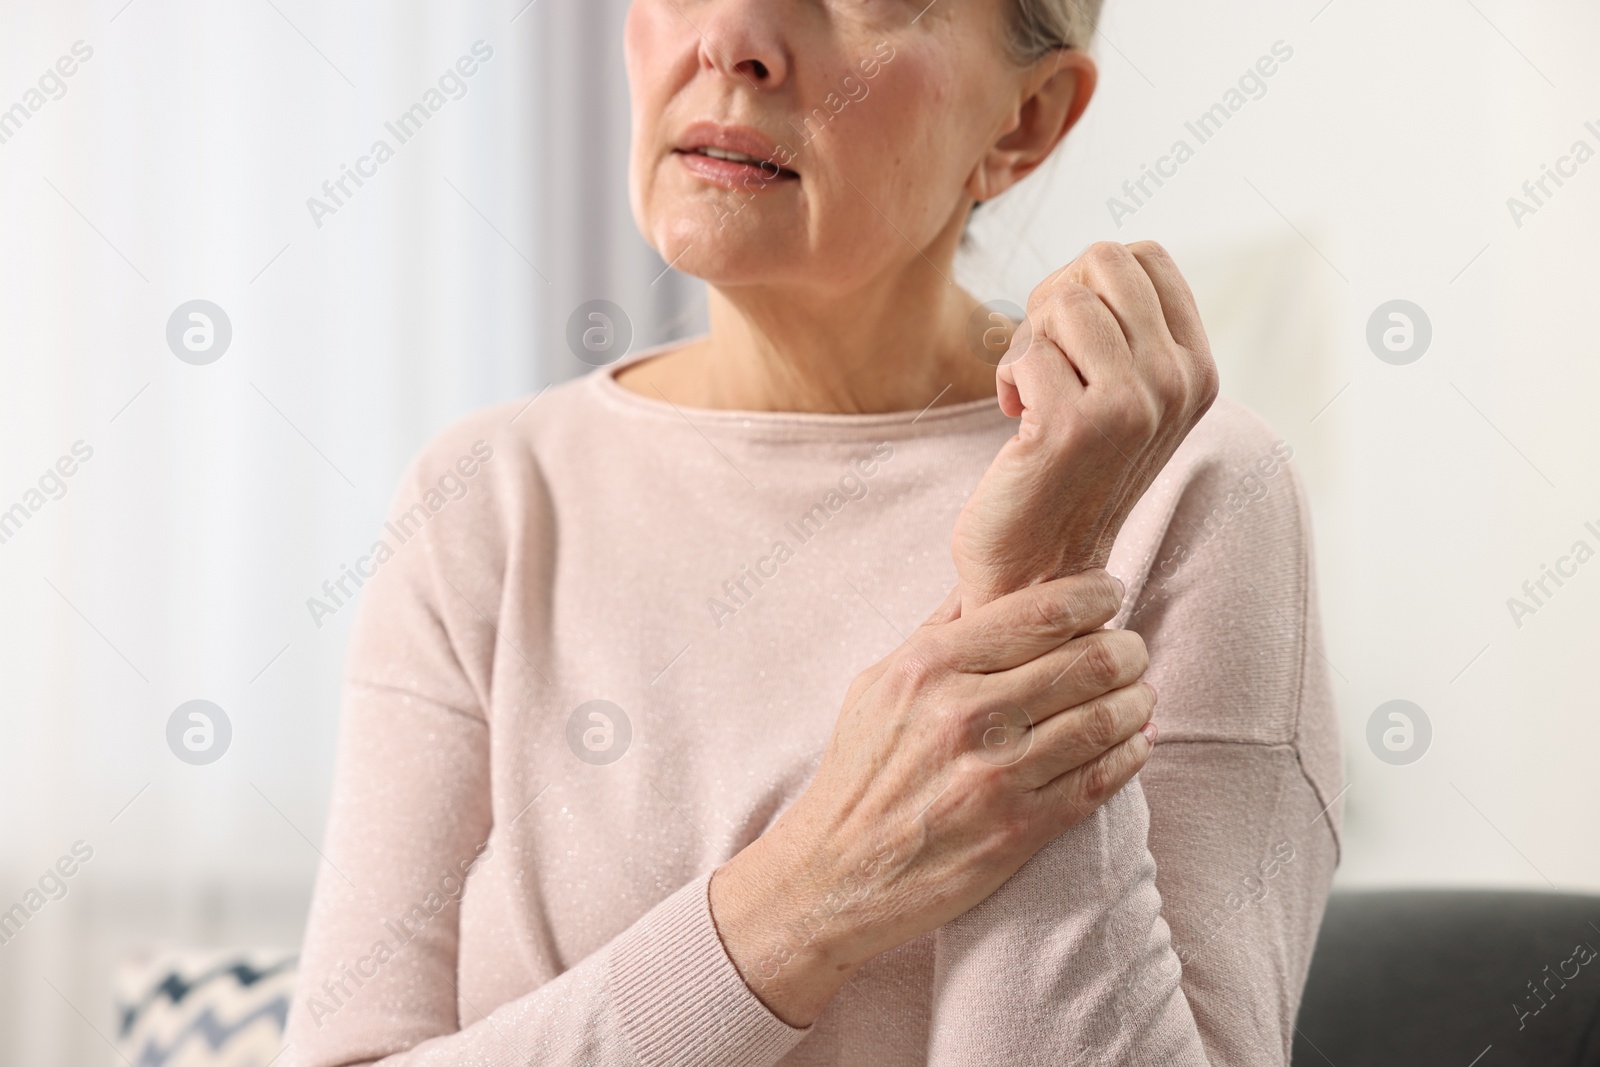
1020,627
1043,376
1141,289
1126,288
1078,735
949,611
1195,370
1080,670
1078,792
1075,318
1178,308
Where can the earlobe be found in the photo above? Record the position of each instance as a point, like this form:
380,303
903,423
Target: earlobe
978,184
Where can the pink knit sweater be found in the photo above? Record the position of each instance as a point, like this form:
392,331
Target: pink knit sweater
518,875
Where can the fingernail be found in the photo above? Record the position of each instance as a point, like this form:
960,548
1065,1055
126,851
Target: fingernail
1154,694
1122,590
1149,731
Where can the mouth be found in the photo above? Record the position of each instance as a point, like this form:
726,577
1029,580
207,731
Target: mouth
732,156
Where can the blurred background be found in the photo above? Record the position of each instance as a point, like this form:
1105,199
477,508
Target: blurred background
208,497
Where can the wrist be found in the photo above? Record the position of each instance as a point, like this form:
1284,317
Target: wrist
787,939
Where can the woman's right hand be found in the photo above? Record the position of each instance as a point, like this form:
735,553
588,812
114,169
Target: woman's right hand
953,761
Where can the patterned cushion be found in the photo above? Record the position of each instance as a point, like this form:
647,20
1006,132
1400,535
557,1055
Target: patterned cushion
189,1008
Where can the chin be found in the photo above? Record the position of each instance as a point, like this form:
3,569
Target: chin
738,248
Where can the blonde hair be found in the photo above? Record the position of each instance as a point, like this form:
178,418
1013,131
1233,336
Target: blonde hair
1039,27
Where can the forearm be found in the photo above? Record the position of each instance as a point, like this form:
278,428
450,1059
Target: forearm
1070,961
662,993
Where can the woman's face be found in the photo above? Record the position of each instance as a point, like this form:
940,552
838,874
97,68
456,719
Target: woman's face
810,142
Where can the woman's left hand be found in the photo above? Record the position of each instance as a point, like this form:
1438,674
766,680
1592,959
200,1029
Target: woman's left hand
1109,374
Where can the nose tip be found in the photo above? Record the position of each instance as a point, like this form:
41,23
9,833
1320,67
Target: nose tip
742,39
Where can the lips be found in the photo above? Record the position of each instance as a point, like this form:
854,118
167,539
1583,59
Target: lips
731,156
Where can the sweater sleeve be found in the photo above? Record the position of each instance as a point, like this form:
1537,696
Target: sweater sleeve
411,823
1175,925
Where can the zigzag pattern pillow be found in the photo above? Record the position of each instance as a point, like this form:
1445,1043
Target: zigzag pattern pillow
204,1008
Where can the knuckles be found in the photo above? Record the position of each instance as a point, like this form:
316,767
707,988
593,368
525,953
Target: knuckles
1152,250
1065,608
1109,659
1085,599
1102,724
913,672
1012,827
1062,296
1114,718
1106,254
1098,663
1133,414
1188,382
1100,779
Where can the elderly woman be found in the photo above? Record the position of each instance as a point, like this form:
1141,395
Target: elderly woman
777,697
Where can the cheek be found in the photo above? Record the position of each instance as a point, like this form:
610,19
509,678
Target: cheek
900,146
651,54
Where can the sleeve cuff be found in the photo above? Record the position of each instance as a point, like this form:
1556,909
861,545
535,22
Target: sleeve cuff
681,1000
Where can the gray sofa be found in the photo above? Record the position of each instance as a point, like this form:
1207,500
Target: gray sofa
1454,978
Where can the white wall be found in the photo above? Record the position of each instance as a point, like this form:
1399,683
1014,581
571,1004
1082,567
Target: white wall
1377,166
177,166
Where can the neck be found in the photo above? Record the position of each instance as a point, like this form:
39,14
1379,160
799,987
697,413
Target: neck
895,344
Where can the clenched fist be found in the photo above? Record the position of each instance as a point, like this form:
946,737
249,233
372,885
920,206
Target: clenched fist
1109,374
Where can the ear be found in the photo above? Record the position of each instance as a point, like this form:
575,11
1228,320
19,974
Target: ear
1054,94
